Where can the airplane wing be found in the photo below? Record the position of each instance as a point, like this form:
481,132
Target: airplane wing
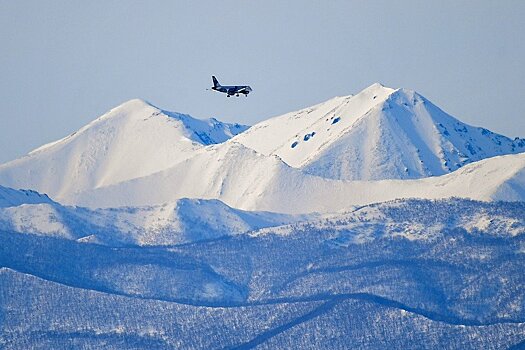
244,89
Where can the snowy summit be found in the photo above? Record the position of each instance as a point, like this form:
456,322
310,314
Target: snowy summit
330,227
137,154
380,133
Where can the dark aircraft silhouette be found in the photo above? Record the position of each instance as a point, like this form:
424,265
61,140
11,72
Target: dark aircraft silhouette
230,90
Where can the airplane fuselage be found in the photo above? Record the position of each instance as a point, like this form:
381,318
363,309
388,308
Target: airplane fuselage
231,90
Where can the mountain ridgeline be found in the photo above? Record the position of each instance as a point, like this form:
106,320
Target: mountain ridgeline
370,221
130,141
409,274
380,133
137,154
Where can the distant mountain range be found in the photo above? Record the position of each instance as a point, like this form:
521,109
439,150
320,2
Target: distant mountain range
408,274
370,221
347,151
182,221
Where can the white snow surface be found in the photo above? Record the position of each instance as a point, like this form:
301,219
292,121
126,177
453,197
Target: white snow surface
244,179
132,140
380,133
182,221
379,145
11,198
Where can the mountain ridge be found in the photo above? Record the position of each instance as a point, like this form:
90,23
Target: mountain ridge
10,197
132,140
380,133
177,222
181,242
268,184
137,154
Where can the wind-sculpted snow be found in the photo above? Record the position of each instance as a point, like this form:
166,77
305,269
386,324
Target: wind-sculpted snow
435,275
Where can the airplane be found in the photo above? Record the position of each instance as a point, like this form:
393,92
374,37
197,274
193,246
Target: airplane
230,90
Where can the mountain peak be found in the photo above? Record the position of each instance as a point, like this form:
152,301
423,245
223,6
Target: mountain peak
377,86
376,92
379,133
132,140
128,109
134,103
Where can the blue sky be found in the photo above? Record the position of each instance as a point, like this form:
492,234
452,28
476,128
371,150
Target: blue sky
64,63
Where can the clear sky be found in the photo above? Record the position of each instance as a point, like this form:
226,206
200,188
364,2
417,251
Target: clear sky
64,63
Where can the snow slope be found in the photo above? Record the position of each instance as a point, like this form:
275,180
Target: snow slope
229,172
380,133
244,179
132,140
410,274
11,198
139,155
182,221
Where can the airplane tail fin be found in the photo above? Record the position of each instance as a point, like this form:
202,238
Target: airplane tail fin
215,81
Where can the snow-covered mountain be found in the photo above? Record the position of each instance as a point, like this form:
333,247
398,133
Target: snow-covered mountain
11,198
380,133
132,140
250,181
123,172
182,221
414,274
164,253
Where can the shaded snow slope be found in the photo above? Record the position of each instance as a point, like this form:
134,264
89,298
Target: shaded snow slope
10,197
132,140
414,219
183,221
380,133
409,274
